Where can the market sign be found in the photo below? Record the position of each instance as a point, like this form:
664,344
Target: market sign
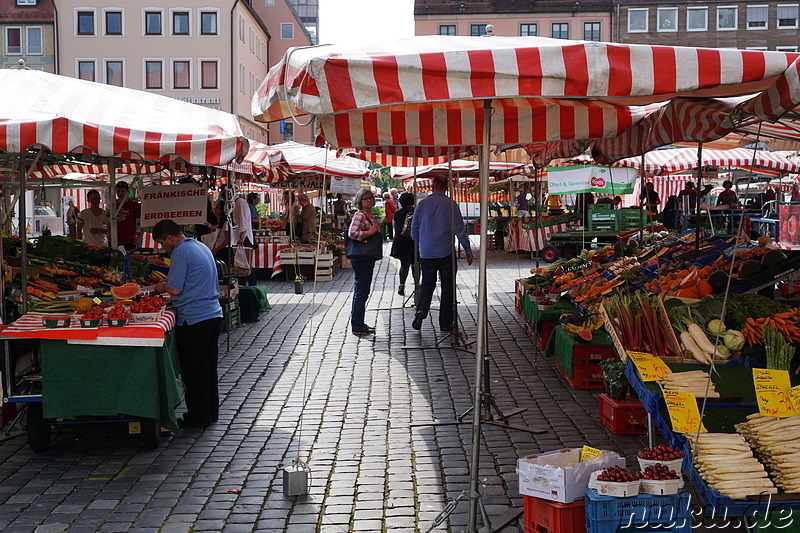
348,186
650,367
591,178
304,185
184,204
772,392
683,411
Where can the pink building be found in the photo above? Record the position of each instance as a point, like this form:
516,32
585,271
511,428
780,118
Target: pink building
588,20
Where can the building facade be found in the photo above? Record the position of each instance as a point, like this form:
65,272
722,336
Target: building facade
745,25
308,13
584,20
28,34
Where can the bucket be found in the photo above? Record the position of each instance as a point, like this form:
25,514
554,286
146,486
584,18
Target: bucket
298,286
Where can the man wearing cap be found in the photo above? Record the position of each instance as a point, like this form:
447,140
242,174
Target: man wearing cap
128,214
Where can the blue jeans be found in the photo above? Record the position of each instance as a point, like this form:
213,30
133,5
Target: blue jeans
430,267
362,282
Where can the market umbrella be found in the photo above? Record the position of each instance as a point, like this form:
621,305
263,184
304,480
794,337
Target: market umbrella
426,95
677,159
286,159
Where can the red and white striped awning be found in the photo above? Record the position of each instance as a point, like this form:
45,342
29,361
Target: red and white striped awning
421,94
461,167
68,115
672,160
282,161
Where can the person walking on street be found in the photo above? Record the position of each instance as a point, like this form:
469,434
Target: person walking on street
192,283
390,208
436,223
362,227
403,245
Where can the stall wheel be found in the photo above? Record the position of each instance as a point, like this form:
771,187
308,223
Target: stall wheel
151,432
37,428
549,253
569,250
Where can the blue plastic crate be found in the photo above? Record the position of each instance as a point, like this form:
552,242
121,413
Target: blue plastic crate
645,512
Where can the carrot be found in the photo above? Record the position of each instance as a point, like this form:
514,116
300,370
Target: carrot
761,320
750,321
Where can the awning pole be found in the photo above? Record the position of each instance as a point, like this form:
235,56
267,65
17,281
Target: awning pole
23,228
112,204
480,347
697,202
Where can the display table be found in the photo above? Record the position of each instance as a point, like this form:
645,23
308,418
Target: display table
519,238
534,316
268,255
130,370
562,345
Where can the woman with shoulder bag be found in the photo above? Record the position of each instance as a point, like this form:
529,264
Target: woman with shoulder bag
403,245
363,246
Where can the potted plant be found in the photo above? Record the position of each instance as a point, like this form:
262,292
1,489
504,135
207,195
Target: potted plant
615,381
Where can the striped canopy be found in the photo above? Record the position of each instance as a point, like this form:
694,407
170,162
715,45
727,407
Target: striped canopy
417,95
284,160
673,160
68,115
461,167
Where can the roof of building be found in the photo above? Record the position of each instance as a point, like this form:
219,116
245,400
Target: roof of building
465,7
42,12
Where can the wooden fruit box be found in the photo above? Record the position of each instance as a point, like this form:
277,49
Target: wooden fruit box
616,339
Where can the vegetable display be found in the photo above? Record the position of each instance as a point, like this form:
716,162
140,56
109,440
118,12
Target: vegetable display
727,464
779,352
635,316
696,382
777,442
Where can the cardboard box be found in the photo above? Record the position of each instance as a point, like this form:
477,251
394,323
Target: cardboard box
559,476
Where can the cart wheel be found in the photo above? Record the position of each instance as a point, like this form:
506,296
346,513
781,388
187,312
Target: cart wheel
549,253
569,250
151,432
37,427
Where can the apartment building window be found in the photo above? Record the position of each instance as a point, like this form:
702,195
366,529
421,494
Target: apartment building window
86,70
638,20
757,17
270,2
181,75
787,15
113,22
476,30
180,23
727,18
667,19
153,74
447,29
241,28
85,22
786,48
241,79
560,30
287,31
591,31
152,23
13,41
528,30
696,19
26,2
33,40
287,130
208,23
114,73
208,74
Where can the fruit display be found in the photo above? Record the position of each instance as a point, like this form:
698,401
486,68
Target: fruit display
125,292
617,474
118,312
658,472
147,304
662,452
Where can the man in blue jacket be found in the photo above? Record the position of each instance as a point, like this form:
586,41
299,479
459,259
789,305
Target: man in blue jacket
193,284
437,222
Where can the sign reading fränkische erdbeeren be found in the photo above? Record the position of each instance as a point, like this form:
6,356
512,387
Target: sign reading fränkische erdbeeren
184,204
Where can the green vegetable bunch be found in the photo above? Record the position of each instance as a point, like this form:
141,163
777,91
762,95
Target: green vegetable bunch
779,352
742,306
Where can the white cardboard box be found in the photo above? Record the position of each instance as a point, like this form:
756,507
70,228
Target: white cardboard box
559,476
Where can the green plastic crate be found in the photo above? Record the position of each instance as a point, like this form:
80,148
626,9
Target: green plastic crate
231,309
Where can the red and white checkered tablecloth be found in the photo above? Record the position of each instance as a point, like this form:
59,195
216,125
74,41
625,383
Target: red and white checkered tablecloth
30,326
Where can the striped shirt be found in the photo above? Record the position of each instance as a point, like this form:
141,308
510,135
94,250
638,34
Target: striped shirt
360,224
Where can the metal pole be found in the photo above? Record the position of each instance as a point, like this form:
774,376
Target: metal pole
697,200
112,204
480,347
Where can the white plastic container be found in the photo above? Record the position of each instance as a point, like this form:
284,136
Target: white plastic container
612,488
660,487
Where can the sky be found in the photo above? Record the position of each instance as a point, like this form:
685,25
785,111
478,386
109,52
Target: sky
364,21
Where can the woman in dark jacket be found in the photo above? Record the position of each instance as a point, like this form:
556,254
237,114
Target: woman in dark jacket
403,246
670,216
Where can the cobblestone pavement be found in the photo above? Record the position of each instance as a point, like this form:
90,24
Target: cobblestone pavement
296,383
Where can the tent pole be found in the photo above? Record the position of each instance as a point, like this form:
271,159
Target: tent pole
480,347
23,228
112,204
697,200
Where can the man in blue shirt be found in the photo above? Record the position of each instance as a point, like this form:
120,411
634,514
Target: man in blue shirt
437,220
192,282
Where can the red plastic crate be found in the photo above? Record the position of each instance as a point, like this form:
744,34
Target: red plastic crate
545,330
584,376
586,354
544,516
626,417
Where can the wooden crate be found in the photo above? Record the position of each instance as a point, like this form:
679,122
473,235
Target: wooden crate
672,340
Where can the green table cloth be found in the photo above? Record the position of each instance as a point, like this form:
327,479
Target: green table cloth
561,344
534,316
252,302
83,380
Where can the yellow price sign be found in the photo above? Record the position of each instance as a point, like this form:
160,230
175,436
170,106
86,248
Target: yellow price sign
97,300
794,397
683,411
588,451
773,392
650,367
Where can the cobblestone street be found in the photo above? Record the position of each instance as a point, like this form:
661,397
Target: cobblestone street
298,384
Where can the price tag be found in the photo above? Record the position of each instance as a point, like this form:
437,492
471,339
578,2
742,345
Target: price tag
97,300
650,367
794,396
683,412
588,452
773,392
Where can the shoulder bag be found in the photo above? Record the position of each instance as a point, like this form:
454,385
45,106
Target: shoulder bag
369,249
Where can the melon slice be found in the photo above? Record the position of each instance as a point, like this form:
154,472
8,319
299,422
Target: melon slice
584,335
125,292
